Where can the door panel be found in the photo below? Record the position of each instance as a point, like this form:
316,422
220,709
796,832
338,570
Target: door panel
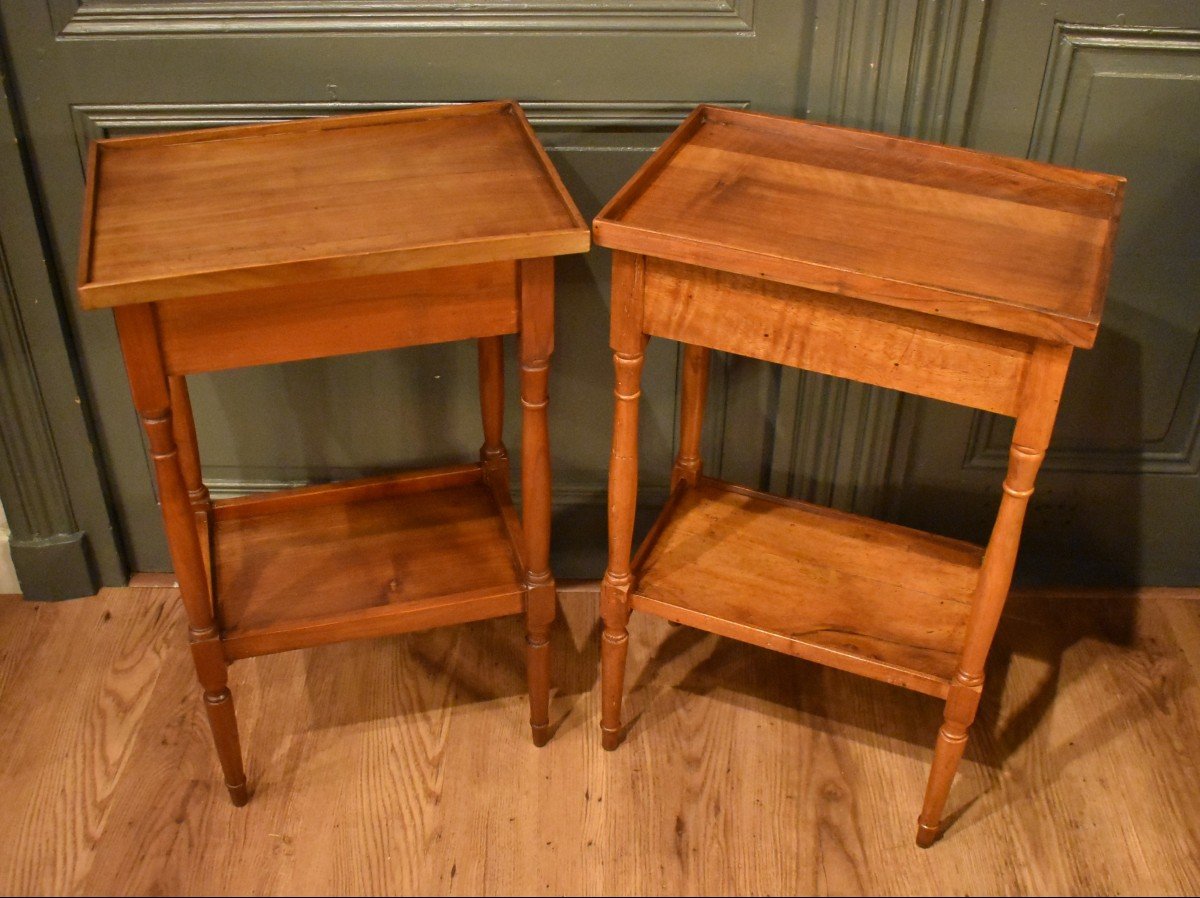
1099,84
1092,86
604,83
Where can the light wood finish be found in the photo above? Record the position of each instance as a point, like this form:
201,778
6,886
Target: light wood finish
319,238
537,345
853,593
493,454
942,272
628,343
750,772
338,562
152,397
201,213
431,306
895,348
1020,246
692,395
1039,406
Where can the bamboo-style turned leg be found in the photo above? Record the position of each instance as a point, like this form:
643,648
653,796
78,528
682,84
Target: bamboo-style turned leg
1039,405
537,344
628,344
184,428
153,399
693,394
493,453
622,505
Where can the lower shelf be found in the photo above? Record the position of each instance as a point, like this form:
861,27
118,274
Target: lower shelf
364,558
872,598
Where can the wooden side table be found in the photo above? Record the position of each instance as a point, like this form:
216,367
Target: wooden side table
262,244
938,271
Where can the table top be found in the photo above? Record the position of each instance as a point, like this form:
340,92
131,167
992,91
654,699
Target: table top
1017,245
208,212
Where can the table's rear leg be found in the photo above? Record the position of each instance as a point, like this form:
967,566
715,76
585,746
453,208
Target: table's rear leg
152,397
493,453
693,394
184,429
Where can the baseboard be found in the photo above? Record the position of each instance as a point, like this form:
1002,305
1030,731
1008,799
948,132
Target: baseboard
54,568
8,571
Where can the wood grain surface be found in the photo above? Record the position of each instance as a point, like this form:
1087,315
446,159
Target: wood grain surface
359,559
285,324
403,765
205,212
860,595
1013,244
936,357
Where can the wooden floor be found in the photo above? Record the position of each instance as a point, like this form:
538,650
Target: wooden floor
404,765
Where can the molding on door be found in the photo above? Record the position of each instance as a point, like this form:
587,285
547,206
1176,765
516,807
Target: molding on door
902,66
75,20
1056,135
62,540
942,68
1179,453
1068,42
96,121
49,551
905,67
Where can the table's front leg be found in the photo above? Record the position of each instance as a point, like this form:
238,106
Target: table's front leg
628,343
1031,437
166,415
537,345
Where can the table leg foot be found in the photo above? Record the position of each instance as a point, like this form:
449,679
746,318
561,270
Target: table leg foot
926,834
537,665
614,644
610,739
223,723
239,794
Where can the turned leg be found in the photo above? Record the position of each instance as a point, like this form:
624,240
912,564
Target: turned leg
184,429
153,399
987,604
628,356
622,505
693,394
1035,421
537,344
493,453
212,671
947,752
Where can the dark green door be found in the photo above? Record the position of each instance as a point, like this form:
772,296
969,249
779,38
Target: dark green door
604,82
1095,84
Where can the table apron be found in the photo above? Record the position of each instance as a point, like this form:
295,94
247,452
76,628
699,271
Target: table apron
936,357
283,324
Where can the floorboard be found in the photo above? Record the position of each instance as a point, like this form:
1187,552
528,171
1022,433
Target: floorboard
404,765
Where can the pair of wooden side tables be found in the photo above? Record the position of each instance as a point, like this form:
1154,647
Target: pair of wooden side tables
938,271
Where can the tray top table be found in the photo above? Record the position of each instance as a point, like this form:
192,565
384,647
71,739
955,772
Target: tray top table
273,243
203,212
939,271
1016,245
